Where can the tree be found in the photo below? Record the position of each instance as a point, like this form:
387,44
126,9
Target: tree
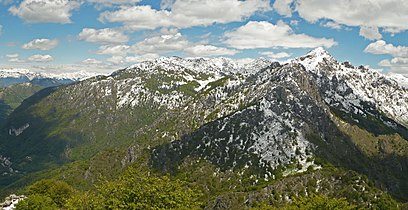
137,190
37,202
320,202
57,191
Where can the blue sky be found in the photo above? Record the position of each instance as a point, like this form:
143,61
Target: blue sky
98,35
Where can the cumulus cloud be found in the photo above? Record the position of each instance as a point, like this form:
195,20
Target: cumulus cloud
267,35
173,41
15,58
45,11
283,7
41,44
396,65
40,58
209,50
332,25
390,15
278,55
166,4
370,33
110,2
168,40
184,13
399,62
113,49
381,47
103,36
160,44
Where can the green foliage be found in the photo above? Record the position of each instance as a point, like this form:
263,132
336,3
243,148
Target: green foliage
385,202
12,96
320,202
189,88
138,190
215,84
57,191
135,190
15,94
37,202
83,201
372,122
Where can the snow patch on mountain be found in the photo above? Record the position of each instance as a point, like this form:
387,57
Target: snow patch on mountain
401,79
223,66
279,143
356,85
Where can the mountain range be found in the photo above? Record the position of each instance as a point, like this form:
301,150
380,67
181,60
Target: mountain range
263,132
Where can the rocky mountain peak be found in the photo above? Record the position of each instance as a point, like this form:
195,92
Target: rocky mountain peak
319,52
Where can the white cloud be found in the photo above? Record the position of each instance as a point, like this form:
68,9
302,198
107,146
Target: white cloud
166,4
14,58
113,49
40,58
169,40
91,61
124,60
138,17
381,47
294,22
115,2
185,13
396,65
41,44
267,35
370,33
161,44
283,7
389,15
332,25
276,55
45,11
209,50
12,55
103,36
399,62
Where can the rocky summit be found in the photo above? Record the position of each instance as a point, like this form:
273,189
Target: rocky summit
243,135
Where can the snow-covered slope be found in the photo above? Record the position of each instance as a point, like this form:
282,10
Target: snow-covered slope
286,104
203,65
351,86
402,80
172,81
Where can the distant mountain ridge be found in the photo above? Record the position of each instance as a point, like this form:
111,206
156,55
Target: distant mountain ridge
16,76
